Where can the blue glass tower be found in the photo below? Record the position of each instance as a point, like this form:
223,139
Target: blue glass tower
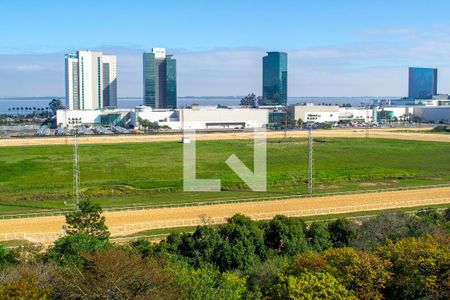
171,82
159,79
275,78
422,83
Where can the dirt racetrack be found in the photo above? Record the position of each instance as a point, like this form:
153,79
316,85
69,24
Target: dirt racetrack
47,229
342,133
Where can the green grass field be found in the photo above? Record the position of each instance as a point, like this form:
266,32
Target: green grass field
40,177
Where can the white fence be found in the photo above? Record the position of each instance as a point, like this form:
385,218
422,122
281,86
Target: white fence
227,201
205,220
127,229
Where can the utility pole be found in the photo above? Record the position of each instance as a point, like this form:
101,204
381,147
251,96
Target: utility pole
75,122
310,161
367,122
285,121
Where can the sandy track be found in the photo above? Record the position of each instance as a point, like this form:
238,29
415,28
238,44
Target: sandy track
347,133
46,229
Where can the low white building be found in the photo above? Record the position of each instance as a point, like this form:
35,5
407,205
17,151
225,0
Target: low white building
197,117
435,114
314,113
356,114
103,117
392,113
223,117
329,113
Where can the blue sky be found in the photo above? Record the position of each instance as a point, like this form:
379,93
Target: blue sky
336,48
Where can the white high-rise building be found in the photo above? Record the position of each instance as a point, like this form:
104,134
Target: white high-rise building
91,80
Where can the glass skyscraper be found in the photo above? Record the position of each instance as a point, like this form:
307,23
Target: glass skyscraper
422,83
160,79
275,78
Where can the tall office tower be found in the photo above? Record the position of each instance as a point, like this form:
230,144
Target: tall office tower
422,83
91,80
160,79
109,81
275,78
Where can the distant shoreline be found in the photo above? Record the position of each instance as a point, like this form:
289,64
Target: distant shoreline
211,97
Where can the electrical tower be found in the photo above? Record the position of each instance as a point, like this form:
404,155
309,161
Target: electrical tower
76,161
310,162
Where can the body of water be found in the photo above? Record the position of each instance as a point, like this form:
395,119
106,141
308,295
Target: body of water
7,104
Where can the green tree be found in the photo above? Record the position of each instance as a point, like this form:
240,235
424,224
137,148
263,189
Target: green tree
69,249
242,244
261,276
446,215
87,219
318,236
238,244
361,272
142,247
55,105
430,216
201,246
420,267
342,231
286,235
249,100
416,119
209,284
5,257
308,285
146,124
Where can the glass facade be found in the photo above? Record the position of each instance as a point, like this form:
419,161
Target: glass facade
275,78
110,120
160,81
277,117
149,65
422,83
75,93
106,91
171,82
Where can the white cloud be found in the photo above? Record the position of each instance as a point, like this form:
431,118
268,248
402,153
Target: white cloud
363,69
29,68
399,32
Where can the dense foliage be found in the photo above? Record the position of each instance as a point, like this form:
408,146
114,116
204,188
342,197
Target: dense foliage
390,256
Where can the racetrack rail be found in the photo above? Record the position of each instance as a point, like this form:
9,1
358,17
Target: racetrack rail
46,229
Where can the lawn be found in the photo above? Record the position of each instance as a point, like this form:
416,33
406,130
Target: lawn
40,177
